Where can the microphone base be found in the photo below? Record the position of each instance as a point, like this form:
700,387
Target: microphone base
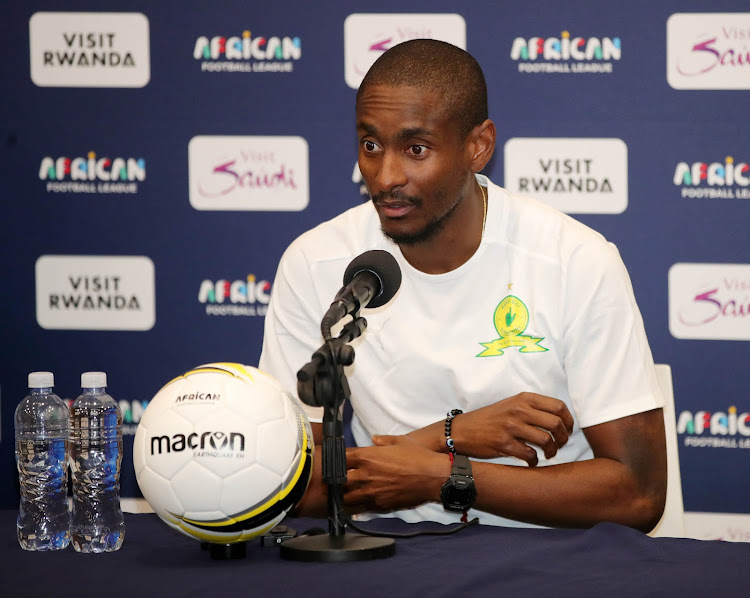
337,549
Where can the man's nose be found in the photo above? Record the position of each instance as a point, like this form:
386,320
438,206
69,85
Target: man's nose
390,172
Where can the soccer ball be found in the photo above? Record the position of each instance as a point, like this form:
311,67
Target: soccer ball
222,453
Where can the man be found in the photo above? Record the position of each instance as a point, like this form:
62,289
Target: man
514,315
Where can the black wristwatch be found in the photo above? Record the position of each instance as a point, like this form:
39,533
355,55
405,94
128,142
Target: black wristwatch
459,493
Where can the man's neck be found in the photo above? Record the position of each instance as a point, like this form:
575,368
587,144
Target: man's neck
454,245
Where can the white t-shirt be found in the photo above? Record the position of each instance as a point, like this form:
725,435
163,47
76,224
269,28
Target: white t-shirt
544,305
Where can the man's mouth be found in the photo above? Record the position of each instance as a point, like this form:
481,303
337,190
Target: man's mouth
394,208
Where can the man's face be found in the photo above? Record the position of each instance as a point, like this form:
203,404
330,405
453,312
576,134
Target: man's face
413,161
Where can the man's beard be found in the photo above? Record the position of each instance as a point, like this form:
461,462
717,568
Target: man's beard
428,232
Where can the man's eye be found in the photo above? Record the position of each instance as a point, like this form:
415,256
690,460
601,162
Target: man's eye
417,150
369,146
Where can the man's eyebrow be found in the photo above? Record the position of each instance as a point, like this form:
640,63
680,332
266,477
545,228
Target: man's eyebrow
403,134
368,128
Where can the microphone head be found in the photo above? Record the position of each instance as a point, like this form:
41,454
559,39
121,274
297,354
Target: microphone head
384,266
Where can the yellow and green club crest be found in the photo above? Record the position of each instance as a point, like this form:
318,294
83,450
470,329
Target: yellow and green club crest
511,319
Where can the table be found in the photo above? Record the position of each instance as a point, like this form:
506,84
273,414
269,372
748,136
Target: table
607,560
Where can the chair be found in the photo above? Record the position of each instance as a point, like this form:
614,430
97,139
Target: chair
672,522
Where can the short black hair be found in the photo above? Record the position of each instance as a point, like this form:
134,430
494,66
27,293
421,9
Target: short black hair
435,65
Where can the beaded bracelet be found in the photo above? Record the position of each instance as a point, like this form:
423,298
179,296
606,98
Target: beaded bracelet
448,421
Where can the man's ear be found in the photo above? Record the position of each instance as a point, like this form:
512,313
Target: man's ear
481,144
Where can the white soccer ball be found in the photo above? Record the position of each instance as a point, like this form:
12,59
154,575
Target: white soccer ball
222,453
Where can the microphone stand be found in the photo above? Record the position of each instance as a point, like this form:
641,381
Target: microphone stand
322,382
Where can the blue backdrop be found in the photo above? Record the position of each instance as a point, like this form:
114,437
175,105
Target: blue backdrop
123,89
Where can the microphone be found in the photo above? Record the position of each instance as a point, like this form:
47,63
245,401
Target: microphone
372,278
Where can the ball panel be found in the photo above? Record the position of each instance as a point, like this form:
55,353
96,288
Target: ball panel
277,445
197,488
268,379
158,492
262,403
251,490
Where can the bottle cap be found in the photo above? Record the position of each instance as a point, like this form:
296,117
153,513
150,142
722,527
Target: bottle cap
93,380
41,380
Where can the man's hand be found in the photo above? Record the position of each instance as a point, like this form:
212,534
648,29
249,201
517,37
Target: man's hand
397,473
508,428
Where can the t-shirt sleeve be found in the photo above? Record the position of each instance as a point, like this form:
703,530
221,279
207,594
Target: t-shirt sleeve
291,331
608,360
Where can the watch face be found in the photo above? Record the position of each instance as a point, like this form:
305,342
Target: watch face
458,493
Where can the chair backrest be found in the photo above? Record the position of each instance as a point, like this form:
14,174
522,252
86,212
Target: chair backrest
672,523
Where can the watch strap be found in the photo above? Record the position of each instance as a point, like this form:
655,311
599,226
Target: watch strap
460,465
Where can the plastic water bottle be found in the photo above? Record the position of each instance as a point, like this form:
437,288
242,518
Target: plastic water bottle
41,421
95,458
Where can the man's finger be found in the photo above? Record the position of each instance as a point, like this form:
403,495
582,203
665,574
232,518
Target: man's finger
555,407
553,425
353,459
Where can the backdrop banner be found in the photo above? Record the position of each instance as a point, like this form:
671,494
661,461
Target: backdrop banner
157,158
